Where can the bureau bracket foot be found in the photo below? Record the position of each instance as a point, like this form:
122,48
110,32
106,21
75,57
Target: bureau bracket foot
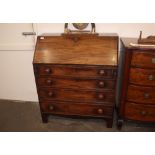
44,118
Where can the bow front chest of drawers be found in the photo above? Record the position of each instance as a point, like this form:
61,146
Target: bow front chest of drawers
76,75
137,78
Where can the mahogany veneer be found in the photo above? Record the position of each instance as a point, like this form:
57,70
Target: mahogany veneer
136,99
76,75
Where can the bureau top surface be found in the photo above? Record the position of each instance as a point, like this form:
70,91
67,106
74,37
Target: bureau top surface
86,49
127,44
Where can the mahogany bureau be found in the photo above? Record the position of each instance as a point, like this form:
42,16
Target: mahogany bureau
76,75
137,83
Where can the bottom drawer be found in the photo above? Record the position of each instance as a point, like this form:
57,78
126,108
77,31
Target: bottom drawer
83,109
140,112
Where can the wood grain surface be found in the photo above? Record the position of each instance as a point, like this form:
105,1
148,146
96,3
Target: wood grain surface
141,95
76,83
81,109
76,75
83,49
142,76
140,112
143,59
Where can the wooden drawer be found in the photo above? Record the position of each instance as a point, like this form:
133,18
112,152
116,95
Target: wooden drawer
143,59
76,83
76,95
75,71
140,112
81,109
141,95
142,76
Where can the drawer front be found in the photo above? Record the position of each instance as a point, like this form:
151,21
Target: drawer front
143,59
75,71
142,76
76,83
77,95
142,95
140,112
76,109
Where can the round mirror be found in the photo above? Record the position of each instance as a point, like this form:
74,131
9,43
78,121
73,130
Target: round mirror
80,26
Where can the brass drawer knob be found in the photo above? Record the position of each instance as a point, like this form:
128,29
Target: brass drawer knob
49,82
101,96
50,94
143,113
100,111
101,84
150,77
51,107
102,72
48,70
146,95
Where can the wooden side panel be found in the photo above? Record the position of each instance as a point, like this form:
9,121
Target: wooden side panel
124,79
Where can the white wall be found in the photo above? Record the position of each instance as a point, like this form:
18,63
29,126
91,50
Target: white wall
16,72
124,30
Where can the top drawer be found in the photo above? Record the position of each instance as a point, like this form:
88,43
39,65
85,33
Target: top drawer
75,71
143,59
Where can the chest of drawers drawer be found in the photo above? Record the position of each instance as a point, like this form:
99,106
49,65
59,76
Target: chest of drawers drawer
144,59
75,71
77,95
140,112
141,95
144,77
76,83
83,109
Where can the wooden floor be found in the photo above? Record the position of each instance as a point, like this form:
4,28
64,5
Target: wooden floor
25,116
